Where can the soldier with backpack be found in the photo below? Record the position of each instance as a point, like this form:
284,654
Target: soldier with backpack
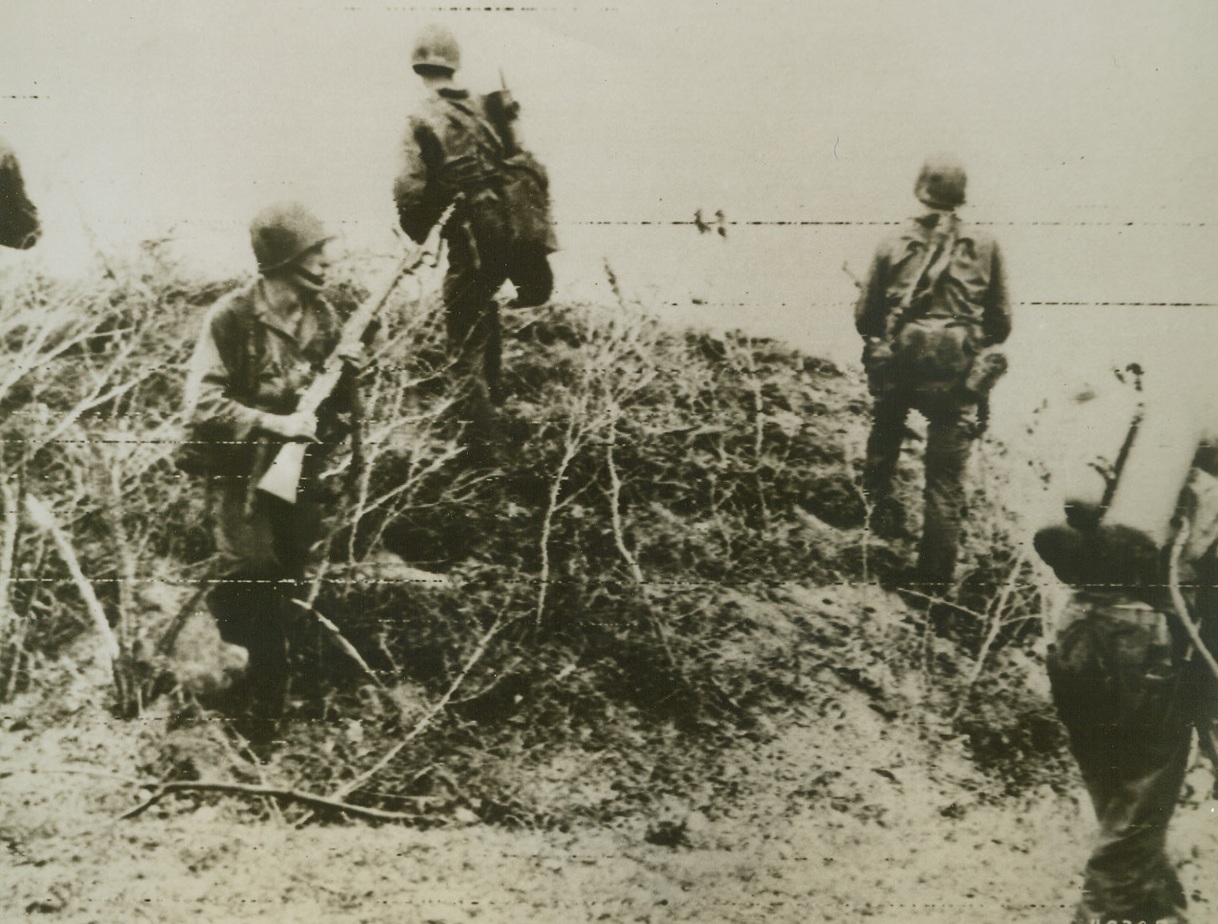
460,147
1132,662
932,310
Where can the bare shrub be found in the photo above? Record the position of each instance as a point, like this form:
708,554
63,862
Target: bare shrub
622,588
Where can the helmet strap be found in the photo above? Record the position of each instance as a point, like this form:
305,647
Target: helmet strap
308,275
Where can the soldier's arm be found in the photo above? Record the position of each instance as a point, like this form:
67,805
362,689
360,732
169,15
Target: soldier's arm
997,322
216,413
415,190
210,404
871,309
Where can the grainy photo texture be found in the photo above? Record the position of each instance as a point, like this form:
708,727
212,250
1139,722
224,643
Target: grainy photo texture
673,461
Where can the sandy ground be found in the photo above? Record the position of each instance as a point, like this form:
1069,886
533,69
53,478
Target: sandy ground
843,816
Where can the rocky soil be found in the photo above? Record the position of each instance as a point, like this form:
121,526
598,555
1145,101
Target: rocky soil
842,815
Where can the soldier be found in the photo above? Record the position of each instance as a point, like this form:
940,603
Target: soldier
459,147
258,349
932,308
19,224
1140,560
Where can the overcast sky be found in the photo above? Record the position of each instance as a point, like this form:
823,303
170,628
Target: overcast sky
163,112
132,116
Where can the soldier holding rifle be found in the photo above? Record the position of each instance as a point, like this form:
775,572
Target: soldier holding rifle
259,348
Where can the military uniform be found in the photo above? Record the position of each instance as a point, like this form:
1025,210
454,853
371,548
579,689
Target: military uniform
259,348
1123,680
1117,683
960,282
19,223
1130,699
453,152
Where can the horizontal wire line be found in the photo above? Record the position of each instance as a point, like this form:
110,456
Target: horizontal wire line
447,581
708,226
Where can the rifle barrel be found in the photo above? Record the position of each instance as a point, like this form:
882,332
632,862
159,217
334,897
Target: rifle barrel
327,380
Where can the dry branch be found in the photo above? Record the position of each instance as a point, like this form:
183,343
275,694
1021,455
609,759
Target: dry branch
341,641
45,520
8,548
170,639
274,792
572,443
991,636
421,726
615,499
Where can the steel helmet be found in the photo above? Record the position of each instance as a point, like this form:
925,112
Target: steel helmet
435,48
282,232
941,183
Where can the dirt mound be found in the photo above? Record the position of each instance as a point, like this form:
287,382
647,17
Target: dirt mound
646,654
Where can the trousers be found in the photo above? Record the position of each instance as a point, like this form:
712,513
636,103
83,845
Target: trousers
1117,684
262,548
478,265
951,426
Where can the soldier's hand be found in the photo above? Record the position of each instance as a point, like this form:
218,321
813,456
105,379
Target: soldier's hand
354,355
295,428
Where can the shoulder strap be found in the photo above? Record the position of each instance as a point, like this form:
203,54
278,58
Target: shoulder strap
941,243
478,121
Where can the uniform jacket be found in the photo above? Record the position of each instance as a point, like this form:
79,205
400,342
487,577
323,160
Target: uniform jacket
450,147
19,225
972,285
247,363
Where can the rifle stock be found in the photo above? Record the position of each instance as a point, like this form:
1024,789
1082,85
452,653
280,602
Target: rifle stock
282,479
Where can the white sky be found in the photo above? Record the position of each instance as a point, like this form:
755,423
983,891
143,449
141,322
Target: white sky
166,111
193,113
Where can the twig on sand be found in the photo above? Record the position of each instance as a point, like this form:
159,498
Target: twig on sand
246,756
246,789
71,771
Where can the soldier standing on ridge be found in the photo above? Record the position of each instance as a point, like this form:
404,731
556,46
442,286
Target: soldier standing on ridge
19,225
934,304
460,148
259,348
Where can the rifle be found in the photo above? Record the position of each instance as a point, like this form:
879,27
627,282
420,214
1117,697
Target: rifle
502,110
282,479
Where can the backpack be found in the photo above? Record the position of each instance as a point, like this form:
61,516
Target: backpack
932,354
526,200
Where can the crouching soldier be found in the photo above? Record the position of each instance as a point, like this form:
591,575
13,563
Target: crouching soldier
19,224
1132,665
259,348
461,148
931,312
